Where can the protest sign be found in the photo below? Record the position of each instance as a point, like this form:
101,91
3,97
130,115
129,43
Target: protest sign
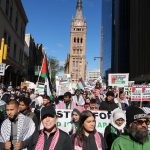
64,117
136,93
40,88
119,80
146,93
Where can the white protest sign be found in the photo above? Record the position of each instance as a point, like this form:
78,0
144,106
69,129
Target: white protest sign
118,79
64,117
40,89
136,93
146,93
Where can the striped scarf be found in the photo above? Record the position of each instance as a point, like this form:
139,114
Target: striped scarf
40,143
25,128
97,140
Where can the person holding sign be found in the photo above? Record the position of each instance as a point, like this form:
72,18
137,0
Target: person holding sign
86,137
52,138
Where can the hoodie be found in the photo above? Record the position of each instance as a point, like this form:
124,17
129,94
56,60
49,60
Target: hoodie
124,142
112,131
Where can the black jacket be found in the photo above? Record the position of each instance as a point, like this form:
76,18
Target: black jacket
64,141
110,134
109,106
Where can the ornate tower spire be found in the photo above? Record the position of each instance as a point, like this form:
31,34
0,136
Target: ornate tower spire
79,10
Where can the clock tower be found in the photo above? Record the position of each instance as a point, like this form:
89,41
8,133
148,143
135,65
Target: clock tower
76,61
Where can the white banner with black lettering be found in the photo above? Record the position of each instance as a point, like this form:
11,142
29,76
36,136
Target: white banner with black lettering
64,117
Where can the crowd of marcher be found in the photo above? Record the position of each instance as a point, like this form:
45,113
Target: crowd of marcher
28,120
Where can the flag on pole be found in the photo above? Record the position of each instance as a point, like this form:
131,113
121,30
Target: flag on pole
44,73
44,68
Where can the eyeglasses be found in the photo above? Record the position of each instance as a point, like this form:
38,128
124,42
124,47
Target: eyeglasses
140,122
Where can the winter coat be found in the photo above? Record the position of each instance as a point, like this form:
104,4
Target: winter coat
109,106
124,142
110,134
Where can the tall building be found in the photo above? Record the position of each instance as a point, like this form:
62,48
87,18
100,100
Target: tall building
106,28
131,38
76,61
13,22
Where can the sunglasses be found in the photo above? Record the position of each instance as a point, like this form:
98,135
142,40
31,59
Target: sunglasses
140,122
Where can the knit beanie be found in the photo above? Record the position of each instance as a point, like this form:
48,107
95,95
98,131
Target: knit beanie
134,113
110,93
77,111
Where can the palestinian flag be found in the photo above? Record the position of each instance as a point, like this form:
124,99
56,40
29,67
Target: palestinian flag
44,68
45,74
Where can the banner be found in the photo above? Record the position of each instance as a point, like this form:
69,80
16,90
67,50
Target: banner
119,80
64,118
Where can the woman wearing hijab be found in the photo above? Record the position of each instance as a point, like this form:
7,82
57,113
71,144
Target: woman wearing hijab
86,137
74,123
116,126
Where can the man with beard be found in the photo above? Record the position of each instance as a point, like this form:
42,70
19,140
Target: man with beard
136,133
16,130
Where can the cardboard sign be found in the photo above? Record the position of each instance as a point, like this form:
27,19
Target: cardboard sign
119,80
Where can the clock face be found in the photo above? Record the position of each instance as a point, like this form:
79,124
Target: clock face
78,23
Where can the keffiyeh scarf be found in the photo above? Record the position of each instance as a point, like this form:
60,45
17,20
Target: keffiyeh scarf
40,143
25,129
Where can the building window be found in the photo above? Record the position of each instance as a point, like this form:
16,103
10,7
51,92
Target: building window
5,36
75,40
73,63
77,51
80,51
9,43
74,51
81,40
78,40
11,11
14,54
16,23
76,63
7,7
20,56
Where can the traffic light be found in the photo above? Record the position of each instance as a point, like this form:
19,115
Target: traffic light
3,50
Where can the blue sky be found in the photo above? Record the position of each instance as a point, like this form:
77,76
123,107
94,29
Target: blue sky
50,24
